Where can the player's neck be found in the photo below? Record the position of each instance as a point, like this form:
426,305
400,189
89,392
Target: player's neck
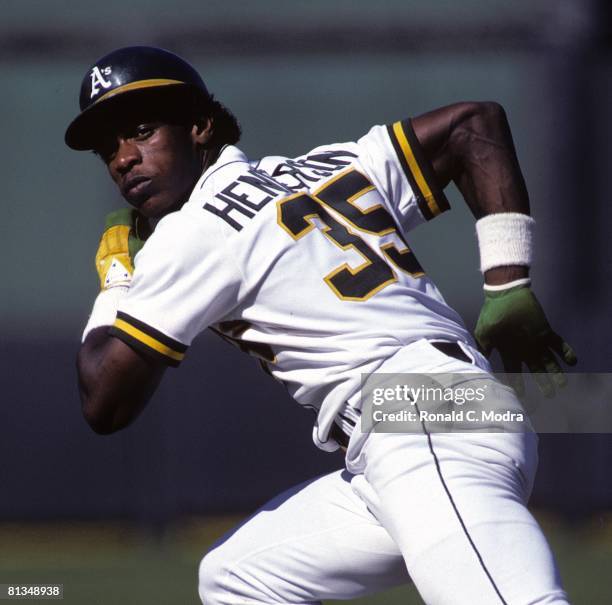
210,157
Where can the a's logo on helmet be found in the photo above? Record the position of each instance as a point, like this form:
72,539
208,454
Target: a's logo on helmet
97,79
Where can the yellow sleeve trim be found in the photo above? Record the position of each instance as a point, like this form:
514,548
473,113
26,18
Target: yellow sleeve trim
415,169
148,340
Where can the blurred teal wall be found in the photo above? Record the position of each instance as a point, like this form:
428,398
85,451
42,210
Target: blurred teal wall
297,74
54,199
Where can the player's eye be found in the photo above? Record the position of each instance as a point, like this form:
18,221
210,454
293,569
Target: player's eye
106,150
143,131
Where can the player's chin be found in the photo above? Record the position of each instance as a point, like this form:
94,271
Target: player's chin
147,208
150,206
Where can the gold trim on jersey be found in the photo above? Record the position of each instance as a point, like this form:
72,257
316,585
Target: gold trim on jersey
357,195
353,271
351,200
307,218
151,342
325,230
398,130
406,250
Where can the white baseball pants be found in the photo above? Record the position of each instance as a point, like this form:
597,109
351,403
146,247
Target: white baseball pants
445,511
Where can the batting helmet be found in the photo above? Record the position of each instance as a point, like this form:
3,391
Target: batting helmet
122,74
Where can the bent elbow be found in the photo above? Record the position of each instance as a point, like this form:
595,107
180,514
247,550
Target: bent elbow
114,385
106,416
101,428
483,112
97,412
492,111
98,422
476,125
490,115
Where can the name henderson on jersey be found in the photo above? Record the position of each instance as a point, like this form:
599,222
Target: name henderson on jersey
290,176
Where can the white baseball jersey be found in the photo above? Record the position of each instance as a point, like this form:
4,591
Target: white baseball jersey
301,262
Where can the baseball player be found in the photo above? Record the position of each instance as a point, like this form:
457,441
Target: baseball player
304,263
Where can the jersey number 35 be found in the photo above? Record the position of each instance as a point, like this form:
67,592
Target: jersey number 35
296,214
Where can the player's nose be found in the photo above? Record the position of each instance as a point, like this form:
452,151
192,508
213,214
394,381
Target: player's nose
126,156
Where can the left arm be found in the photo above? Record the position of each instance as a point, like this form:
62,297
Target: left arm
471,145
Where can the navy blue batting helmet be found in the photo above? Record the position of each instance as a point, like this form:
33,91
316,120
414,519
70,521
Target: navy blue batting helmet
122,74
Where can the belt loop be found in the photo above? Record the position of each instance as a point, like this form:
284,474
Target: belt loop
467,351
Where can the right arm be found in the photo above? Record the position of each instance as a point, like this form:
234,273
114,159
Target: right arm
115,381
140,326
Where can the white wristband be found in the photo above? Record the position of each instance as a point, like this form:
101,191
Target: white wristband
505,239
524,281
105,309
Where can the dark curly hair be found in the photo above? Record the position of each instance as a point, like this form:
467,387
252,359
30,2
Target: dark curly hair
226,129
188,106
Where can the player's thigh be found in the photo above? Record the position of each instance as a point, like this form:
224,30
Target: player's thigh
315,541
455,505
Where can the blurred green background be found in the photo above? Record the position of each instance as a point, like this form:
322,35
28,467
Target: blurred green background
125,519
296,74
111,563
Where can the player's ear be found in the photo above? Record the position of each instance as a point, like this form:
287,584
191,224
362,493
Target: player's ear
202,131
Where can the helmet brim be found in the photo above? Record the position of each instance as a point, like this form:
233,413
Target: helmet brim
85,130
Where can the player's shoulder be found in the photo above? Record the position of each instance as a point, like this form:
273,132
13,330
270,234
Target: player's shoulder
301,171
375,141
183,233
376,136
231,161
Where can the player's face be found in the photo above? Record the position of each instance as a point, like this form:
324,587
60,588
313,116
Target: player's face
155,164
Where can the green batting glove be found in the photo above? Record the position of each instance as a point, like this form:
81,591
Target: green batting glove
513,322
125,233
139,227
